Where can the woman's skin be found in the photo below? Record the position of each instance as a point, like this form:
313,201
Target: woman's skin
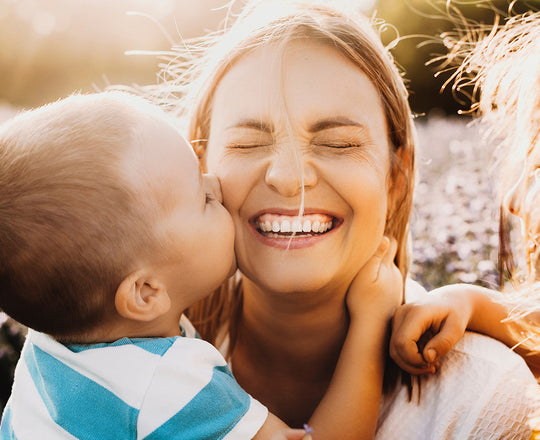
290,111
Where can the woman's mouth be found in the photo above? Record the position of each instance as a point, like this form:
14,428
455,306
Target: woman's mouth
292,231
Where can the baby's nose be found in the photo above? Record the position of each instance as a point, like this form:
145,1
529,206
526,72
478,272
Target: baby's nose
213,186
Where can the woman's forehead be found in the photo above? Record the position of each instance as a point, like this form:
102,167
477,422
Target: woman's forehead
302,79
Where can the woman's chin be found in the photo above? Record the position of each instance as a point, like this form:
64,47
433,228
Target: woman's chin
291,282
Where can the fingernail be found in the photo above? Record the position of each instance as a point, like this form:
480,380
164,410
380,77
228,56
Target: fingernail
430,355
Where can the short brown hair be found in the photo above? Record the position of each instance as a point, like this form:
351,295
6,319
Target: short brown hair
69,227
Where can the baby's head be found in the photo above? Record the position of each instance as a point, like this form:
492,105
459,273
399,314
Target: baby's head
105,219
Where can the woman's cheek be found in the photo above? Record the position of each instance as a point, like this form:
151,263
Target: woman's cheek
236,179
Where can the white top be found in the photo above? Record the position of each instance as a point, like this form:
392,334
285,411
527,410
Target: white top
480,392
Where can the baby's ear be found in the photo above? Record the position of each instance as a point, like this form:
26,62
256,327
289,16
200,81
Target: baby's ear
141,298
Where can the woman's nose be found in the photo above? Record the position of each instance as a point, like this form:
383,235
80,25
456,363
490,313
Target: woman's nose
212,186
289,171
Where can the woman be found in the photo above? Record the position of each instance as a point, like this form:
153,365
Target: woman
304,118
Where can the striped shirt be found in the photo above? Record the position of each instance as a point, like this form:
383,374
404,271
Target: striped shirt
164,388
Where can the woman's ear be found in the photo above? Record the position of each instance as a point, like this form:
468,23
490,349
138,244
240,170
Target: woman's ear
141,298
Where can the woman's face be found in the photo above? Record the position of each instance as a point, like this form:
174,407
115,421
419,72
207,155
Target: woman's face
303,117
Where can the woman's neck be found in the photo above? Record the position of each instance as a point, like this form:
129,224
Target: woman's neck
295,324
287,347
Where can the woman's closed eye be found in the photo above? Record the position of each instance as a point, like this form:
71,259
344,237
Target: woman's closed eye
339,145
247,145
248,138
342,138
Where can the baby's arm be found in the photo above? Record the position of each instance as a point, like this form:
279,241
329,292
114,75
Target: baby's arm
426,330
350,407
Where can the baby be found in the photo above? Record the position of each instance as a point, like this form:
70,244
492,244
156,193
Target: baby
108,232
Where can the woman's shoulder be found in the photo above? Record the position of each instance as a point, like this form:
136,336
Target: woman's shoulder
413,290
495,357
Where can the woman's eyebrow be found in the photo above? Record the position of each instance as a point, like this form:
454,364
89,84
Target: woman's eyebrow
326,124
256,124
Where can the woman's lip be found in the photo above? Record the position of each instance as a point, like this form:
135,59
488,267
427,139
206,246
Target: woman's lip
293,213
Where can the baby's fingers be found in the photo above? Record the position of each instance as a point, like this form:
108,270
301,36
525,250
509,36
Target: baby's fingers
291,434
408,328
371,270
441,343
386,254
408,359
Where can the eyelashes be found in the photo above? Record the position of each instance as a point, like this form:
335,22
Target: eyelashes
336,146
340,146
247,146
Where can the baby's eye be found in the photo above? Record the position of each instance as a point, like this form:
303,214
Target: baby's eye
209,198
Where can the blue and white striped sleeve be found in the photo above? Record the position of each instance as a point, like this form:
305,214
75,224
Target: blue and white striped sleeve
193,395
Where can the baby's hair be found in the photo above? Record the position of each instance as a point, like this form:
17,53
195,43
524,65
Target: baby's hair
70,226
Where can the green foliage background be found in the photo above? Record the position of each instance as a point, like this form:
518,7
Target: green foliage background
49,49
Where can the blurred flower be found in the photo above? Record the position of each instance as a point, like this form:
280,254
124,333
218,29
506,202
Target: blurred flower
455,218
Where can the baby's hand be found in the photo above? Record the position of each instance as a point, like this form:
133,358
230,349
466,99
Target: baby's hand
291,434
378,286
424,331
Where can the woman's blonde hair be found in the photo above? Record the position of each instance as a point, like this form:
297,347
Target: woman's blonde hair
499,70
271,22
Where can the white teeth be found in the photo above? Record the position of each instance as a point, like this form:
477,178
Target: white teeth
285,226
296,226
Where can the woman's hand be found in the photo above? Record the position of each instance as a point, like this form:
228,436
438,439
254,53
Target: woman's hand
424,331
377,289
